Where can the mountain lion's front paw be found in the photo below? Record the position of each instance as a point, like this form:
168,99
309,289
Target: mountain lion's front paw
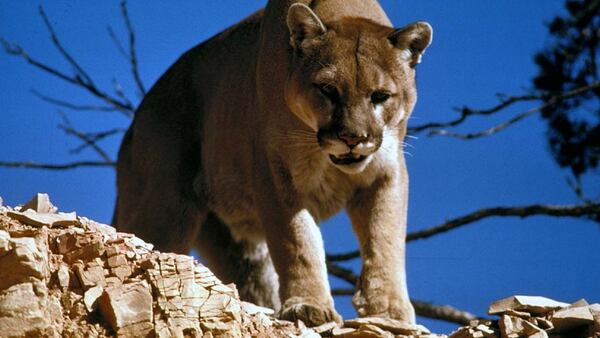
378,304
308,310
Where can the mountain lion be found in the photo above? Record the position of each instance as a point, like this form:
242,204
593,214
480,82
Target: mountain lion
255,136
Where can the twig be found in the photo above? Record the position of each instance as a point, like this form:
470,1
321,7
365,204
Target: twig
50,166
424,309
436,127
72,106
466,112
98,136
80,78
492,130
80,72
442,312
523,211
132,53
116,41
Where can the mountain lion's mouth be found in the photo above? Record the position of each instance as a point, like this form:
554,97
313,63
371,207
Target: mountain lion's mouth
347,159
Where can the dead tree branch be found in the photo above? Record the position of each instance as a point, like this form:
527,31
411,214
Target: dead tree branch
72,106
51,166
133,60
424,309
80,78
439,128
87,139
591,210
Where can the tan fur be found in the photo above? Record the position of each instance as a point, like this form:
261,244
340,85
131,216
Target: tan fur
230,152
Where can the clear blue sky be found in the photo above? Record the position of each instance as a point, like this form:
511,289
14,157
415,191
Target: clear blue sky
480,48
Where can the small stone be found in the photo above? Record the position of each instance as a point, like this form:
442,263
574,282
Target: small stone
63,276
126,304
91,276
520,314
533,304
392,325
566,319
40,203
327,327
532,330
121,272
91,296
511,327
5,245
341,331
31,217
253,309
116,260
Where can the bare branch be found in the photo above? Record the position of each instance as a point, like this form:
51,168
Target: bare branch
80,72
467,112
436,127
116,41
50,166
96,137
523,212
69,130
424,309
592,210
442,312
489,131
72,106
132,53
80,79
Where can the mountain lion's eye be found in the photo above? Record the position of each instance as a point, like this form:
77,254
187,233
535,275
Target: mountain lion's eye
328,91
379,97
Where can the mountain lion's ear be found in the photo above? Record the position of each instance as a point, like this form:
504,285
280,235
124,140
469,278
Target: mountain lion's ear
414,39
303,24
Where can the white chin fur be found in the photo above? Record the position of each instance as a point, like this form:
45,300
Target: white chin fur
354,168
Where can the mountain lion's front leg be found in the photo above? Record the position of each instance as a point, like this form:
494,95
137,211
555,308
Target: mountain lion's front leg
378,216
298,255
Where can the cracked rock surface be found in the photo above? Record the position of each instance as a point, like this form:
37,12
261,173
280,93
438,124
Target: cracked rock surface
63,275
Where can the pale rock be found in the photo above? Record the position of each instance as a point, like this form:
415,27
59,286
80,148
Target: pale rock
532,330
121,272
535,305
90,276
580,303
84,246
24,260
63,276
341,331
485,329
116,260
31,217
392,325
308,333
26,312
569,318
511,327
520,314
5,244
323,328
91,296
40,203
127,304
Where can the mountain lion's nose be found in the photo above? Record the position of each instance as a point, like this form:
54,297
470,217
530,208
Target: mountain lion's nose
352,139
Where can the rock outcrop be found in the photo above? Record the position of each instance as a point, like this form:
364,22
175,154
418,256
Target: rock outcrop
62,275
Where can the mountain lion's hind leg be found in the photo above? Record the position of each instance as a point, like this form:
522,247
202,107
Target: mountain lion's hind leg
248,265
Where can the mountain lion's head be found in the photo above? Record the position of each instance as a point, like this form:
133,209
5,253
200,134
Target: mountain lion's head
351,81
